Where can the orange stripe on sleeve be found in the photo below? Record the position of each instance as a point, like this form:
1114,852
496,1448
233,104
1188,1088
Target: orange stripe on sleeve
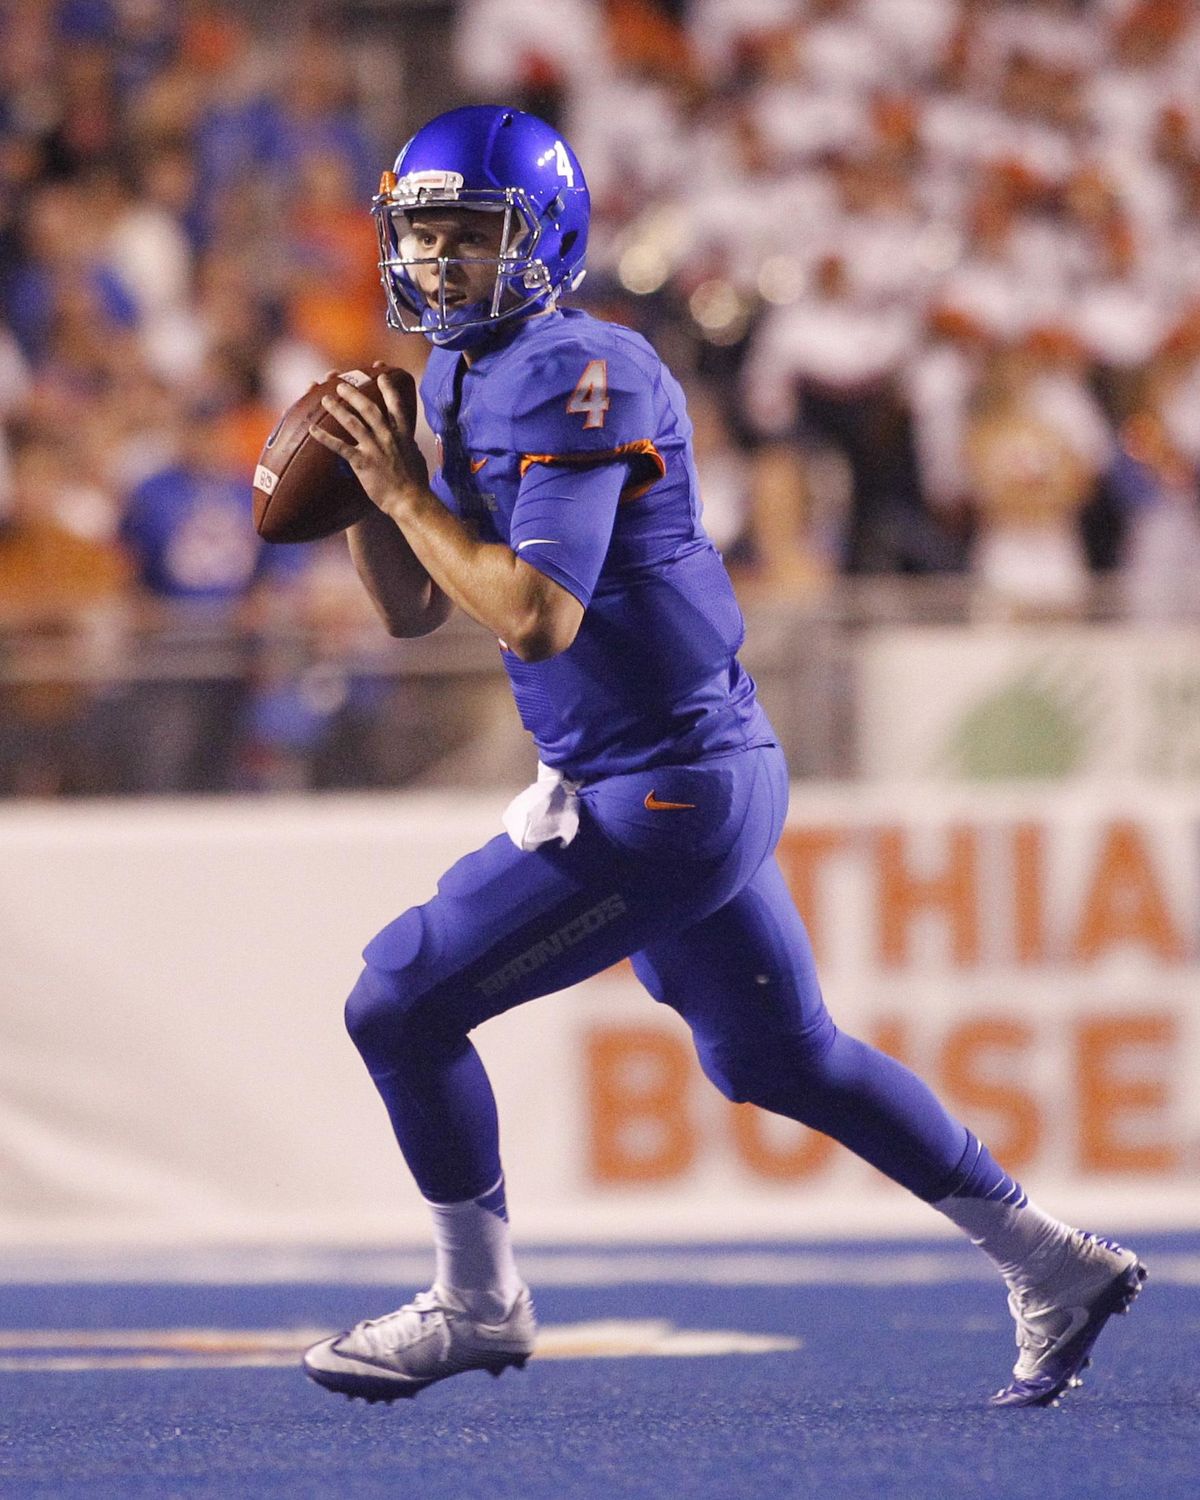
642,449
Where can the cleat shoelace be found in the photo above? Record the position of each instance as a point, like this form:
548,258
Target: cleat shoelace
396,1330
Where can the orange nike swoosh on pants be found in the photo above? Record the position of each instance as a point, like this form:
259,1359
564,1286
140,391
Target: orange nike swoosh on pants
655,805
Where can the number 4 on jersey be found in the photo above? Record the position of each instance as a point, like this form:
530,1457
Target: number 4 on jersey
589,399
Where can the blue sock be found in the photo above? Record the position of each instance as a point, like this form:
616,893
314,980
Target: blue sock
980,1175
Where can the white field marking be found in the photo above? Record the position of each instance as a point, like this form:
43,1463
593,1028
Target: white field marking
832,1266
255,1266
232,1348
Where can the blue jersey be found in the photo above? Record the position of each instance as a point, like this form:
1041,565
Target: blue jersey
530,438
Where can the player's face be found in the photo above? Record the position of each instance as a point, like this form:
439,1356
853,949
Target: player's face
467,241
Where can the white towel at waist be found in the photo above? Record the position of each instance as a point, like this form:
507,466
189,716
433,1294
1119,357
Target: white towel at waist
549,809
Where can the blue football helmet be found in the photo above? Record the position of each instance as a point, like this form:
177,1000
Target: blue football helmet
496,160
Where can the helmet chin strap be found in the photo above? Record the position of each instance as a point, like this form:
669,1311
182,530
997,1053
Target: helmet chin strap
443,337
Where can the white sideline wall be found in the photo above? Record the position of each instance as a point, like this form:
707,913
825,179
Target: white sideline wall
174,1067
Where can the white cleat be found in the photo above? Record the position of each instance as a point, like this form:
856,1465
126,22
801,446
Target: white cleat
1060,1321
426,1340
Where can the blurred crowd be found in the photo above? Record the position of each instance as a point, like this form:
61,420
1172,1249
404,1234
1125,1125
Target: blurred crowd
930,270
945,252
183,250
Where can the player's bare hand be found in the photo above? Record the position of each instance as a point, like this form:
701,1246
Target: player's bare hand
381,450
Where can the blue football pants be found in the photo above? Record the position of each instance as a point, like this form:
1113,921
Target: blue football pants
674,868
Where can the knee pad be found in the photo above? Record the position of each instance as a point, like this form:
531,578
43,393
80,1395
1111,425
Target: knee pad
387,988
762,1069
741,1074
376,1009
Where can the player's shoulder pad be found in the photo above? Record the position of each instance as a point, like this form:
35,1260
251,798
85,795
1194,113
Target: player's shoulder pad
565,349
584,385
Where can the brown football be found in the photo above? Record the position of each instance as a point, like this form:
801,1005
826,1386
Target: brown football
302,491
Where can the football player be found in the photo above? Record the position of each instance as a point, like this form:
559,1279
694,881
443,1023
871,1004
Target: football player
565,518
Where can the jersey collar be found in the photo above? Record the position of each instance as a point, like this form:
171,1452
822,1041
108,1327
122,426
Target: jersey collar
507,337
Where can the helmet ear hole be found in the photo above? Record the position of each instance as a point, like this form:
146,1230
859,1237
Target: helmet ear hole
568,241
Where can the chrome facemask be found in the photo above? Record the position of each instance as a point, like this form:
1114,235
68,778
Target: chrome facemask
521,282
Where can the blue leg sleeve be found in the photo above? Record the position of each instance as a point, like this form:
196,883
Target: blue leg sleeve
436,1092
745,982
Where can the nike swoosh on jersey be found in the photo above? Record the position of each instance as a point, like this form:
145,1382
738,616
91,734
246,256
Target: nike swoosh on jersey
477,464
654,805
537,541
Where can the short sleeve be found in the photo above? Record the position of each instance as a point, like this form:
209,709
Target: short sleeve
563,520
589,404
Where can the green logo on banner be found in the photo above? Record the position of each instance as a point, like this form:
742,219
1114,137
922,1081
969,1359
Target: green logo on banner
1031,728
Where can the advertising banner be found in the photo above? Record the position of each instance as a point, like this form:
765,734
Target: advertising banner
175,1068
1044,702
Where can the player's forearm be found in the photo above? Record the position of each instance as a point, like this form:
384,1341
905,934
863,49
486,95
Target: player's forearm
534,616
408,600
531,614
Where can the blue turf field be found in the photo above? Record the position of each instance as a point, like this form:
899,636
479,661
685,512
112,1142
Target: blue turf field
884,1395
